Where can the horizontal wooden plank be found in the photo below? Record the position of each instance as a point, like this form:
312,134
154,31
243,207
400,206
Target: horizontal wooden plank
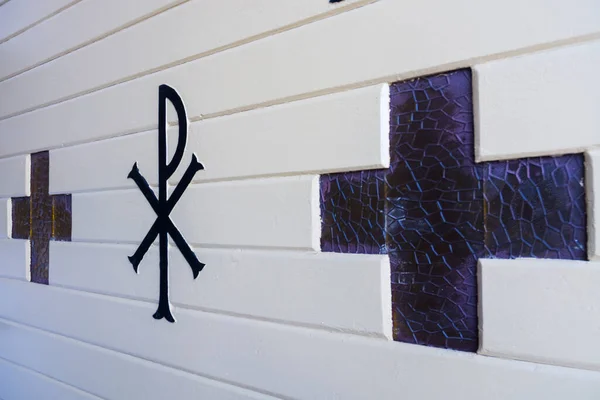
552,314
115,376
17,16
592,183
167,35
299,288
271,356
297,137
14,176
15,258
211,214
351,50
516,111
5,218
75,27
18,383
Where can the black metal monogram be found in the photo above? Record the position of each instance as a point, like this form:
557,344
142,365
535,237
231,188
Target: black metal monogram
163,206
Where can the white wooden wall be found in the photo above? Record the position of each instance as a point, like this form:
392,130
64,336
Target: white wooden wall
278,92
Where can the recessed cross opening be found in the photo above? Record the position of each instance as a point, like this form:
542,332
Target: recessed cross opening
41,217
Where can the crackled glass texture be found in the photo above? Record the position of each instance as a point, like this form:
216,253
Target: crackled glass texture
435,211
536,208
354,214
61,217
21,217
41,217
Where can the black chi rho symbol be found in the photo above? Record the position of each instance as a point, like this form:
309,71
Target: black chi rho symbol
163,206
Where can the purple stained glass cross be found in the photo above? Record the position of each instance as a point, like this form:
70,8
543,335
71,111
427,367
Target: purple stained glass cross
436,212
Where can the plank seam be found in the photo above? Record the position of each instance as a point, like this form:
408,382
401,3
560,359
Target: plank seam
233,314
466,63
35,372
210,246
537,360
116,352
201,310
39,21
233,179
97,38
500,349
238,43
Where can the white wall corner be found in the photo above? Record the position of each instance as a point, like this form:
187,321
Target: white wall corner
5,218
14,176
541,311
592,184
27,189
16,259
479,153
516,109
480,290
385,125
27,261
315,206
386,298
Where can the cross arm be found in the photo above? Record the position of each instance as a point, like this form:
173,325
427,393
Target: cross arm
185,249
142,183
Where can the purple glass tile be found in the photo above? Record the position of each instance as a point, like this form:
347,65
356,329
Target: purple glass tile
352,212
440,211
21,217
41,217
536,208
435,212
61,217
